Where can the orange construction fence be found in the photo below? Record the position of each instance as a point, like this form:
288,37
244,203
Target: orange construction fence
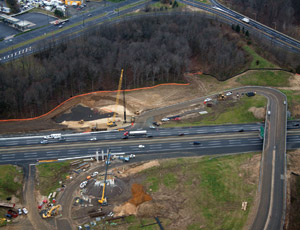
85,94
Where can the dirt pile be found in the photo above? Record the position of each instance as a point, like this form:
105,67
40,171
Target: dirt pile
259,113
138,195
135,169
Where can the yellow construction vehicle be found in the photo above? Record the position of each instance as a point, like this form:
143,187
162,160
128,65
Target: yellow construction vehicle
103,200
112,123
52,212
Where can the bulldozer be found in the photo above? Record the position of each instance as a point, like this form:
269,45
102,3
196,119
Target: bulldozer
51,212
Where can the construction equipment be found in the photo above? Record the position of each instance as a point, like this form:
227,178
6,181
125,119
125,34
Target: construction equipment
103,200
221,97
112,123
52,212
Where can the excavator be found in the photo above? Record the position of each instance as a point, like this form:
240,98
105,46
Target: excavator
112,123
52,212
103,200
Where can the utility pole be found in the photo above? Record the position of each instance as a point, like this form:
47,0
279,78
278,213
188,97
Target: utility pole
124,103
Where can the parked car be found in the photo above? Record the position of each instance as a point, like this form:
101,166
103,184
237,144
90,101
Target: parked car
95,174
25,211
155,123
165,119
152,127
141,146
83,184
208,99
228,94
19,211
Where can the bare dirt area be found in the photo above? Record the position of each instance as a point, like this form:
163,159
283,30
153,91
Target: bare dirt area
293,190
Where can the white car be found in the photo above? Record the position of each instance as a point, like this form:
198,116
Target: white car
19,211
269,112
93,139
207,99
165,119
25,211
228,93
95,174
141,146
131,156
83,184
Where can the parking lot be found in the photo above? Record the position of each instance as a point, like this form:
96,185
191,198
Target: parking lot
6,31
37,18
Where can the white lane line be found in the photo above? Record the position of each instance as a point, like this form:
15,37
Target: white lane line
175,143
8,155
201,131
214,144
165,134
31,156
30,153
54,154
73,150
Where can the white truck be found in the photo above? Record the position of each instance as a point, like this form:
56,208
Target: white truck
53,136
247,20
136,133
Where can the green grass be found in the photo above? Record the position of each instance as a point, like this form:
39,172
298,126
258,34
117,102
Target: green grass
219,186
204,1
263,63
266,78
50,174
130,5
232,114
293,98
8,174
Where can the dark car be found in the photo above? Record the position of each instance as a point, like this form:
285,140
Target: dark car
181,134
149,136
241,130
125,137
196,143
155,123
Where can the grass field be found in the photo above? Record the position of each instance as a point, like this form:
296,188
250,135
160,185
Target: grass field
50,174
262,63
293,97
224,114
266,78
214,188
10,181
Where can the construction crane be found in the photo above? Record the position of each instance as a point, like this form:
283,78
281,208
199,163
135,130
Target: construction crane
112,123
103,200
52,212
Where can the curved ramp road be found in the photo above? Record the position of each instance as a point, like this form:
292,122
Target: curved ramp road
271,210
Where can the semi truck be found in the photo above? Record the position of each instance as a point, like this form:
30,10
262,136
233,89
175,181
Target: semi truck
53,136
136,133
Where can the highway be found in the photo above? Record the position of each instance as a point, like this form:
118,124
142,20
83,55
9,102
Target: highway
254,26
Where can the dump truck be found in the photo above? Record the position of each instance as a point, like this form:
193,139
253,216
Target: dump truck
136,133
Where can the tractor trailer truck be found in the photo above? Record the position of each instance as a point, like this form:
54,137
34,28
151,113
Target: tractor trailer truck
135,133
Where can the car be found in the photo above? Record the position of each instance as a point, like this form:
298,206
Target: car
269,112
60,26
93,139
141,146
125,137
150,136
165,119
89,15
208,99
131,156
228,94
296,124
95,174
44,142
152,127
196,143
181,134
155,123
241,130
284,102
25,211
19,211
83,184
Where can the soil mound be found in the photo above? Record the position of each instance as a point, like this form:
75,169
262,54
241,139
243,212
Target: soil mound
259,113
138,195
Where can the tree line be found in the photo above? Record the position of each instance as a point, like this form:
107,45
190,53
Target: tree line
151,50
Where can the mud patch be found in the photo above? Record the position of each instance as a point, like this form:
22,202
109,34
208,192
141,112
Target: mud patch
259,113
